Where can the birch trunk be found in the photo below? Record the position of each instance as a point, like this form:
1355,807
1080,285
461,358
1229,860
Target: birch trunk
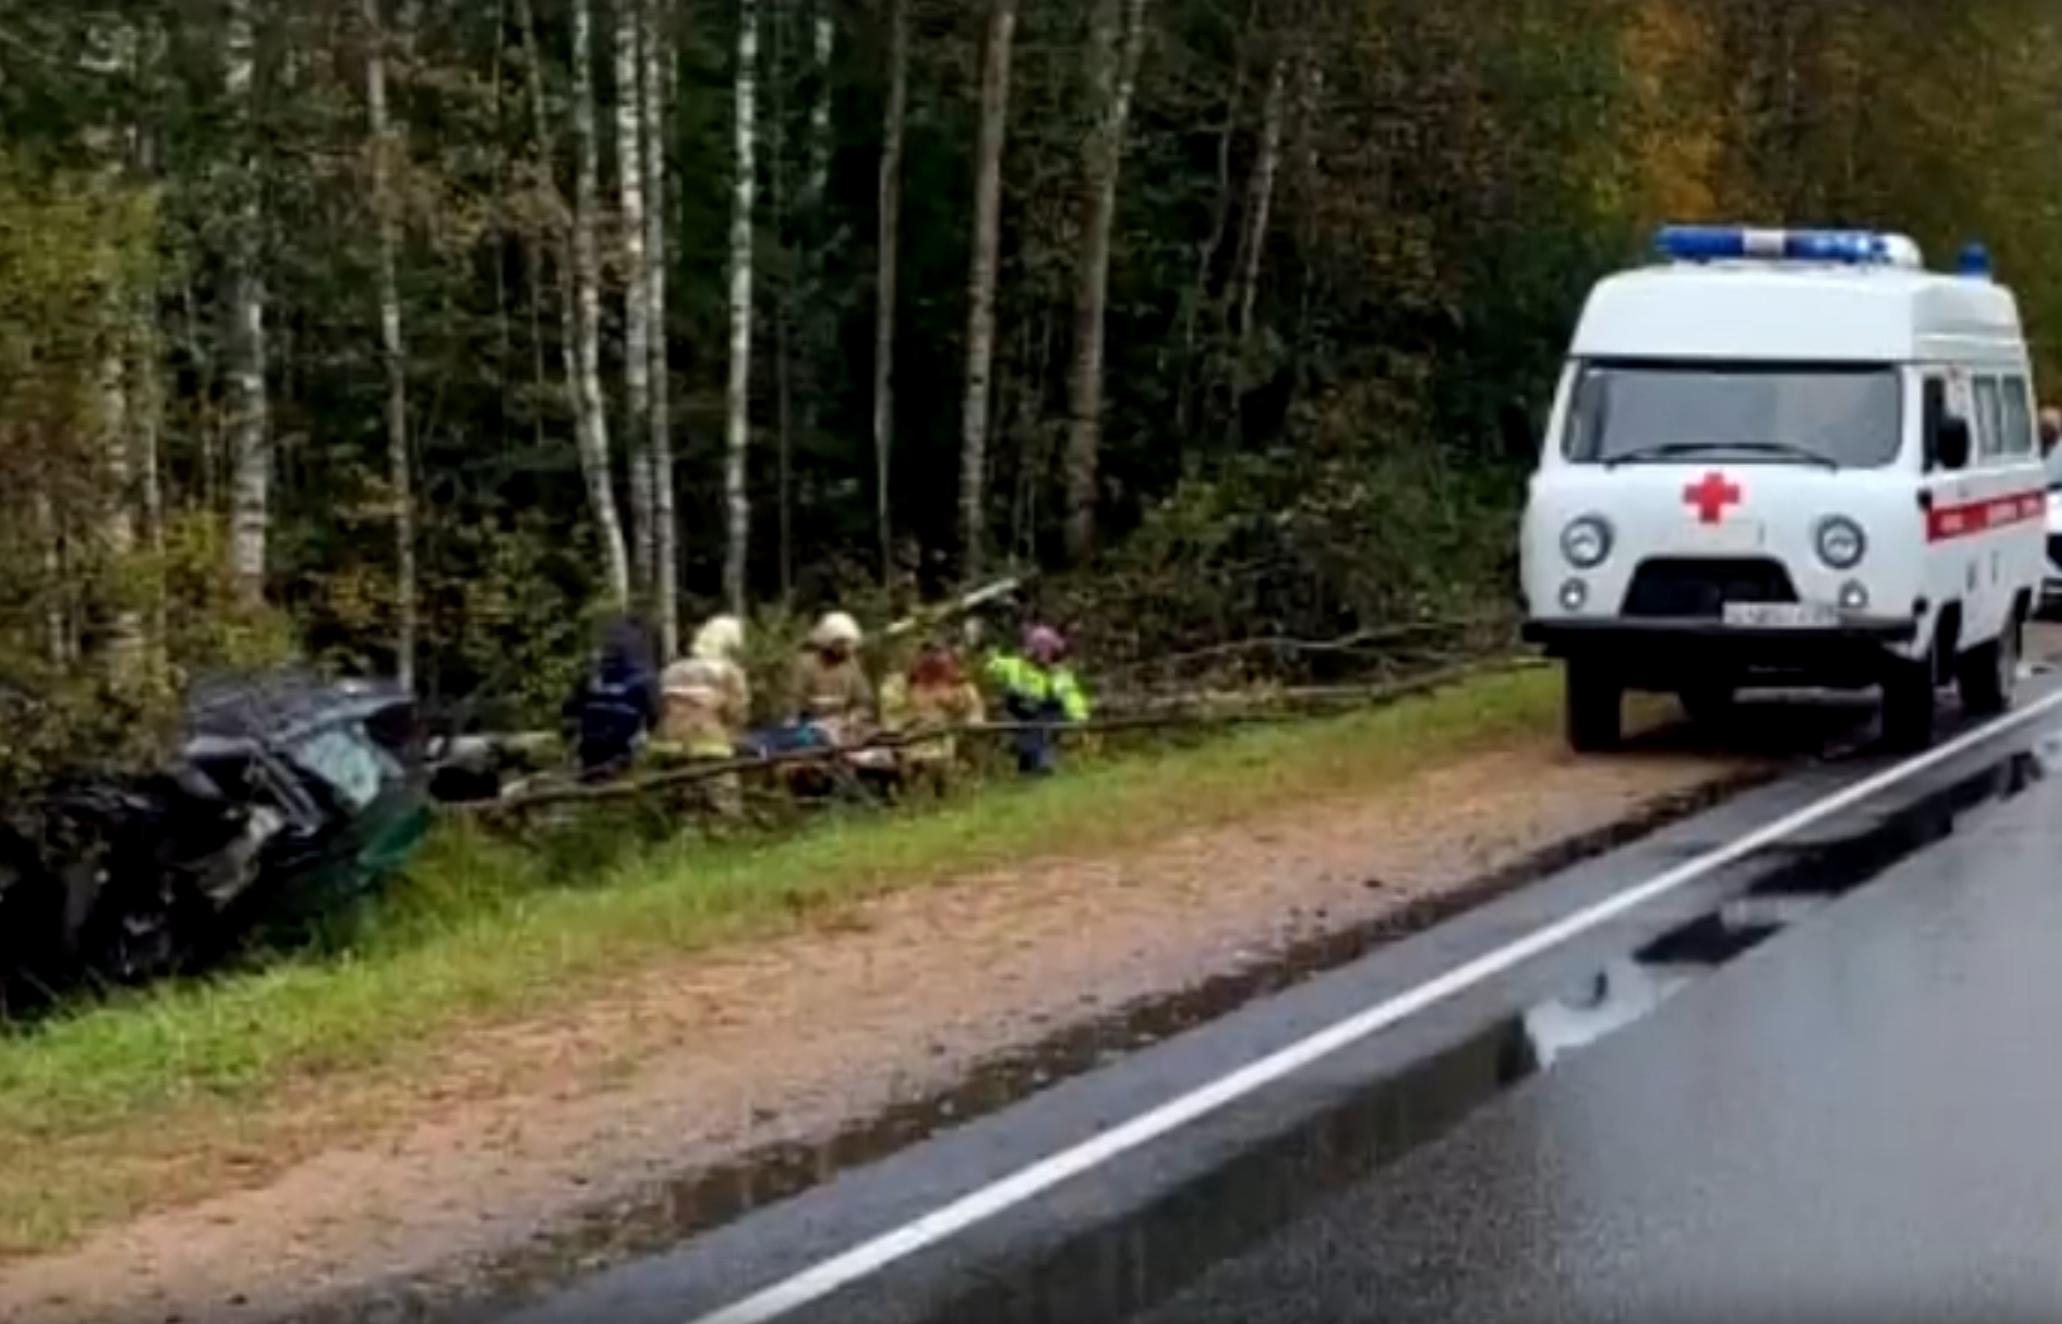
1260,199
973,459
737,432
1113,74
823,42
1195,374
807,319
112,52
665,539
125,646
786,294
637,310
594,424
146,381
562,267
147,407
393,350
887,276
250,414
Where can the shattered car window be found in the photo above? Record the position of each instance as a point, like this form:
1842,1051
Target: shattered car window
349,763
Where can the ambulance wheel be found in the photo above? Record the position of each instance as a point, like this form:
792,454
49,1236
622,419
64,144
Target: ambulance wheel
1708,704
1594,708
1908,706
1988,672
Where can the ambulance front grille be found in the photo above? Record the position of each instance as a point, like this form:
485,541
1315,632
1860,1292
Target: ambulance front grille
1693,589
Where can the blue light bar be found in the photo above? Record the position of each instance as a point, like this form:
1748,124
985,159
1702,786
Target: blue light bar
1974,261
1733,243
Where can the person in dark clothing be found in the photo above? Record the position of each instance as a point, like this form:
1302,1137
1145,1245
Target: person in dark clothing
617,705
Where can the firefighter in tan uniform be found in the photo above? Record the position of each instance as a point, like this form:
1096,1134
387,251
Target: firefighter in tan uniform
828,688
933,695
706,700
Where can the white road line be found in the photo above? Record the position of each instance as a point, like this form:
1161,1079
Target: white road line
820,1280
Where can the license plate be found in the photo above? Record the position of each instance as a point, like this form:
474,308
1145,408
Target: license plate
1781,615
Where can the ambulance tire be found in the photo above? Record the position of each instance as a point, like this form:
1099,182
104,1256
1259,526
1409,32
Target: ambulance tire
1987,673
1708,705
1594,708
1909,706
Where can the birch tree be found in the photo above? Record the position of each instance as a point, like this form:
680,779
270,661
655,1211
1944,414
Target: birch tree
1113,60
590,427
250,413
738,398
393,348
973,456
637,309
814,321
125,646
1260,199
658,61
887,276
146,345
592,419
111,58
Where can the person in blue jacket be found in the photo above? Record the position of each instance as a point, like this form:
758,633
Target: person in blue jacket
616,706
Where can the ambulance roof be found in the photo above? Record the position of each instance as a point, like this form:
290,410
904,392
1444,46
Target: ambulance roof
1790,312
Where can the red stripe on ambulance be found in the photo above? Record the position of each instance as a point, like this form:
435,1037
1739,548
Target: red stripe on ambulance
1945,522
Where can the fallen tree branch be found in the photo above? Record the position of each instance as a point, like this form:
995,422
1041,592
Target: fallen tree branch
1317,697
1358,641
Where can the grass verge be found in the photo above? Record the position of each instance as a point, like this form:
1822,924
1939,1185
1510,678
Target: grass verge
482,933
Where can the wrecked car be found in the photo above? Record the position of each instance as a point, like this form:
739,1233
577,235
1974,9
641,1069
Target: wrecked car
286,796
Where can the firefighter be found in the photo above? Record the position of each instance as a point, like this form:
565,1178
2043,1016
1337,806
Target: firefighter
933,694
828,688
1037,687
706,702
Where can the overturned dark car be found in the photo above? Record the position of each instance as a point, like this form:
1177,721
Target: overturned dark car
286,797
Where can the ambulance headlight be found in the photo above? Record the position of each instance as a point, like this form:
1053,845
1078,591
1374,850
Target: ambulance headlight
1586,542
1841,542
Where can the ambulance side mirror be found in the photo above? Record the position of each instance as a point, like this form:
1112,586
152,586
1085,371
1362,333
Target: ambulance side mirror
1951,443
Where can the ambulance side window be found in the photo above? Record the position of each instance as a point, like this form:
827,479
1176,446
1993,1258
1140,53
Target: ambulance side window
1932,410
2018,418
1989,428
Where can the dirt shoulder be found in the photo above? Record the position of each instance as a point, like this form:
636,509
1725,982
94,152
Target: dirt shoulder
793,1039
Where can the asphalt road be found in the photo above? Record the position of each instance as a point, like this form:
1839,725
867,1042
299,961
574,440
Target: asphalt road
1817,1080
1859,1120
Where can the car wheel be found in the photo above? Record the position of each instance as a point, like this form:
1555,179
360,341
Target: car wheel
1708,704
1909,721
1987,674
1595,706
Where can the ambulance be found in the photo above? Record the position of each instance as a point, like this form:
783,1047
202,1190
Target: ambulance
1789,459
2051,586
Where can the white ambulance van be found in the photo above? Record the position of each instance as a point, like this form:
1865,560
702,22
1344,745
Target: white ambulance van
2051,585
1789,459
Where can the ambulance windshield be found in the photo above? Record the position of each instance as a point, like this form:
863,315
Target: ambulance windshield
1659,413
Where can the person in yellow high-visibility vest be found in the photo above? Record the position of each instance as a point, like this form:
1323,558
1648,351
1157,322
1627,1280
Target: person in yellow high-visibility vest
1036,686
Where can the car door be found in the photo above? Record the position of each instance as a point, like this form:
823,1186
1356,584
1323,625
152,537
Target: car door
1950,540
1988,493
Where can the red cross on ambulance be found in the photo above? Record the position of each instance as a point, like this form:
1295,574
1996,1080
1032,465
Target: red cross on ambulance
1712,496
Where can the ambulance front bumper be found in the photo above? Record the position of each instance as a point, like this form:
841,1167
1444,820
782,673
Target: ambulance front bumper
1662,652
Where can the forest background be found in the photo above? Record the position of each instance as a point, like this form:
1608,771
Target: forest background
413,336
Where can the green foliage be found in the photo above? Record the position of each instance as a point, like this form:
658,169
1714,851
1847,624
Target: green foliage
1450,180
